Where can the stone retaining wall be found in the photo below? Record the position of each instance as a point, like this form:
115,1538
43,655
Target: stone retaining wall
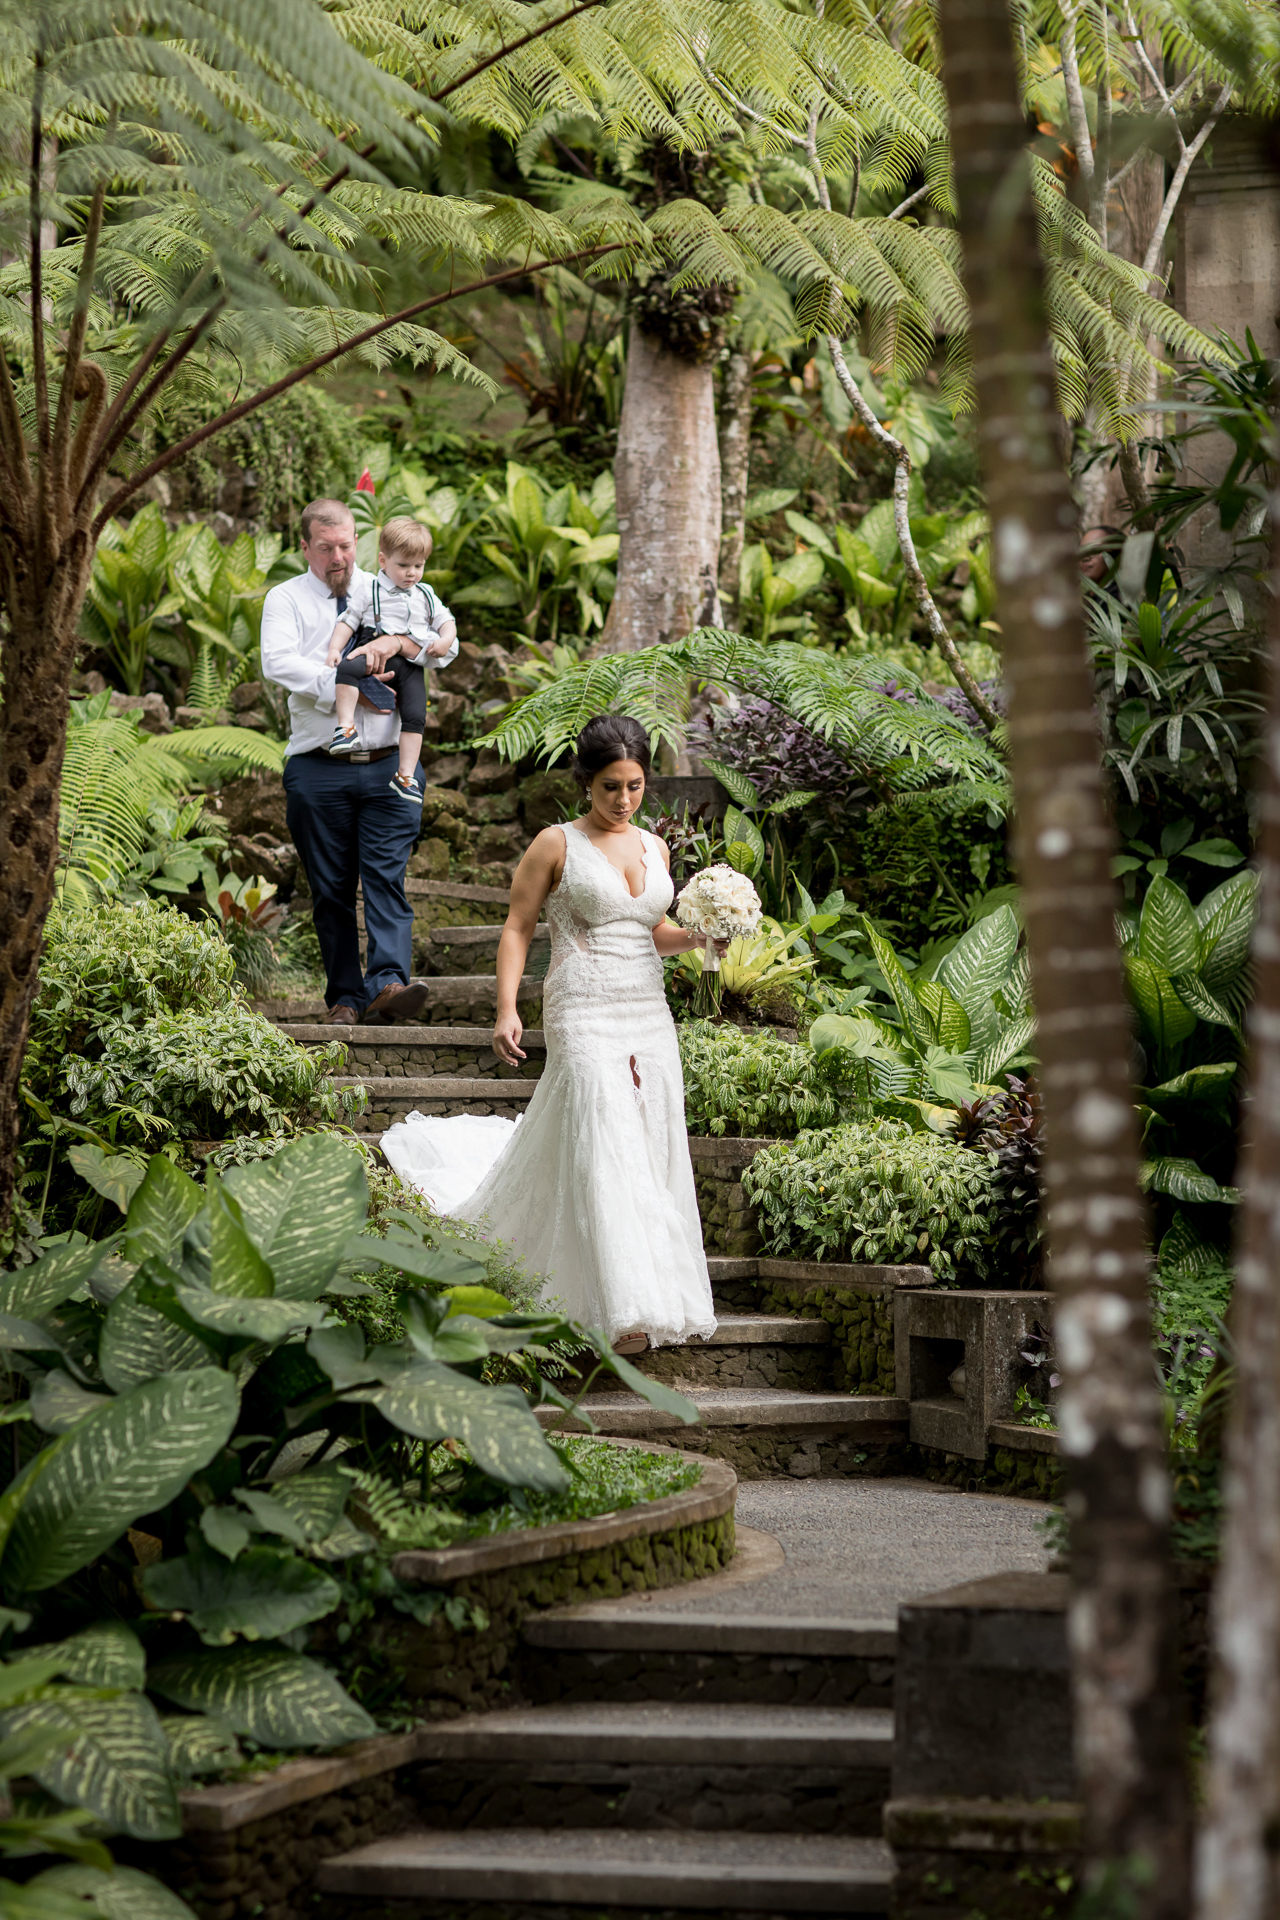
386,1107
861,1322
797,1369
729,1224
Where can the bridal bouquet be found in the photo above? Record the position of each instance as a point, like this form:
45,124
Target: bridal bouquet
721,903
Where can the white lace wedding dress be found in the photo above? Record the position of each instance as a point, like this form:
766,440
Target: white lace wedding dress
593,1186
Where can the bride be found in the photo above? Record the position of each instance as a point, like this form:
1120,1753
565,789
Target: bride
593,1186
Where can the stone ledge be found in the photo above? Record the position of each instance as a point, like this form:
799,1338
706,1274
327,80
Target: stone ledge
401,1088
407,1036
759,1408
1008,1434
459,890
476,936
604,1626
1000,1593
807,1274
529,1546
223,1809
728,1152
984,1826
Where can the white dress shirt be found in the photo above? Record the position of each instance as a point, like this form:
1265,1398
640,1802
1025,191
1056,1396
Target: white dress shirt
298,619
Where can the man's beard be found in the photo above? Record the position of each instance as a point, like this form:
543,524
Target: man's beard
338,578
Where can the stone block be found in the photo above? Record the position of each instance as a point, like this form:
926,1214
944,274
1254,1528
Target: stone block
491,774
493,806
151,708
984,1691
981,1332
430,860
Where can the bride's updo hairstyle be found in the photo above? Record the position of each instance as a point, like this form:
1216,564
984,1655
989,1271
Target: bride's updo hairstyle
609,737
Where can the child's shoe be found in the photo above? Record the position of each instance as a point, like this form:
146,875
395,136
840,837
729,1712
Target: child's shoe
407,787
345,740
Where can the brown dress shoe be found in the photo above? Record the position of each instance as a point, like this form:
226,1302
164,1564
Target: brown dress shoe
340,1016
398,1002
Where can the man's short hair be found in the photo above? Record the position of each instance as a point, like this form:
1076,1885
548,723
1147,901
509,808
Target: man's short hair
324,513
405,539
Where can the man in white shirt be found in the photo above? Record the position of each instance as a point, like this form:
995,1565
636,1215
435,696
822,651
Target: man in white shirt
347,825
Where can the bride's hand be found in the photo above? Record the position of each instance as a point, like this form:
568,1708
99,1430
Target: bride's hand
507,1031
720,947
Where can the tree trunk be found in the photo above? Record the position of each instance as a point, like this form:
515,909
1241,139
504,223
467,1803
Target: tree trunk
735,473
1238,1870
668,475
39,653
1122,1621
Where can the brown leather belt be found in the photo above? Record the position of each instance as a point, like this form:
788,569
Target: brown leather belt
360,758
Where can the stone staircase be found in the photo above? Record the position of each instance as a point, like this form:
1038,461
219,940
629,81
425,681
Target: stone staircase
689,1764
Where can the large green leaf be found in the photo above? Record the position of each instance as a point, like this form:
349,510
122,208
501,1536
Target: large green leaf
411,1254
735,784
262,1595
915,1018
160,1212
266,1320
44,1284
664,1398
1226,927
113,1759
278,1698
122,1894
133,1457
978,965
948,1075
863,1038
1191,988
57,1402
299,1208
1206,1087
199,1743
113,1175
1167,1019
1013,1040
139,1343
1184,1180
315,1500
106,1654
1168,932
951,1022
494,1423
235,1265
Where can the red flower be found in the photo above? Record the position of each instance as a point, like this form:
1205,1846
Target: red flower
365,483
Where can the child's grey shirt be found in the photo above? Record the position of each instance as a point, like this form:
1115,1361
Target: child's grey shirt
377,602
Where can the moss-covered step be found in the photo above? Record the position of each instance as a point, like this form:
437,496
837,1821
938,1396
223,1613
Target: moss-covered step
855,1302
661,1764
749,1350
419,1053
765,1431
457,1000
522,1872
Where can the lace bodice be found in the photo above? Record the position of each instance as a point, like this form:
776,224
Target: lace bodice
593,913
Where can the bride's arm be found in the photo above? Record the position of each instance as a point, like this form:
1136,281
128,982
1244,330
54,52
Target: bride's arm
534,879
668,938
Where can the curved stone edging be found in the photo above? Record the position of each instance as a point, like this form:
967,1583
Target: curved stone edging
714,1496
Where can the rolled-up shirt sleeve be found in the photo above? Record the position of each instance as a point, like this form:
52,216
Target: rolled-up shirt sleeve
283,658
439,614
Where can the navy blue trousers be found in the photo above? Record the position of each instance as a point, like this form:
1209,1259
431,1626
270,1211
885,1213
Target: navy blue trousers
349,827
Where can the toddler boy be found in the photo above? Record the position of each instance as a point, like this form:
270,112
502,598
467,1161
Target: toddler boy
395,602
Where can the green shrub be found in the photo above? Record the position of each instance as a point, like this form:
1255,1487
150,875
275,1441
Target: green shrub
140,1031
749,1083
877,1193
205,1074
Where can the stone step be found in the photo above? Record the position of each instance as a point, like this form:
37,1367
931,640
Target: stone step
653,1763
669,1873
420,1053
393,1097
449,995
621,1651
465,950
762,1432
748,1350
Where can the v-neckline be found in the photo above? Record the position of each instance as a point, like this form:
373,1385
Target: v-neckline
644,861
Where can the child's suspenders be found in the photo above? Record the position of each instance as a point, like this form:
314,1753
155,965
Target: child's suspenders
422,588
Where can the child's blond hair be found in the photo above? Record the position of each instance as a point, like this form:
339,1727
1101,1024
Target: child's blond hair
405,539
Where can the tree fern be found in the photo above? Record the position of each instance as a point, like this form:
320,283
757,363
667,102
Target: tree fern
113,776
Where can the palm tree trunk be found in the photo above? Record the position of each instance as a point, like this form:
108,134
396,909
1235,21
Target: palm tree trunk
668,478
735,473
39,654
1238,1875
1122,1619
